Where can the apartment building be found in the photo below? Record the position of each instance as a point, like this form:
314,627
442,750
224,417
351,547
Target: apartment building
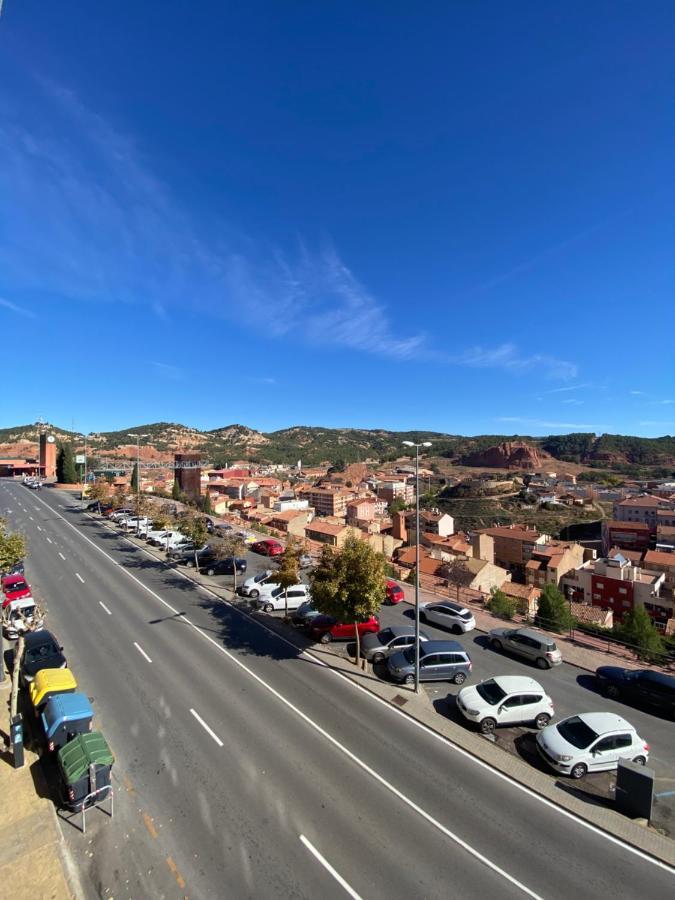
514,546
389,489
643,509
662,562
634,536
326,501
549,562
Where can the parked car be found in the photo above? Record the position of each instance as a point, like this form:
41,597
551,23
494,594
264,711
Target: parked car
393,593
184,554
223,528
144,530
224,566
117,514
377,647
305,561
174,541
304,615
643,687
272,597
16,569
98,506
448,615
251,587
327,629
133,523
528,643
439,661
155,534
268,547
14,587
19,616
505,700
41,651
590,742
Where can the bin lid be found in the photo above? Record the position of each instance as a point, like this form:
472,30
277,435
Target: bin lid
65,708
83,751
46,680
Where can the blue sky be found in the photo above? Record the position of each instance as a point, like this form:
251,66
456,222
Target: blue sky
452,216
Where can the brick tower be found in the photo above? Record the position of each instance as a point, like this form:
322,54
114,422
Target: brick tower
48,455
189,480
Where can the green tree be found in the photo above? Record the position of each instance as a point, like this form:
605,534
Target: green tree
501,605
98,491
397,505
232,545
457,572
193,526
411,576
134,478
553,611
638,629
289,570
206,504
349,584
66,470
12,548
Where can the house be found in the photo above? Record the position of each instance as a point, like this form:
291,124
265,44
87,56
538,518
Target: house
513,546
327,533
362,509
526,595
432,521
657,561
642,509
447,547
635,536
550,561
297,517
592,615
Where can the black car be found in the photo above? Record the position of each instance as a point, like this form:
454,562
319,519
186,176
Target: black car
41,651
100,506
210,527
223,566
16,569
643,687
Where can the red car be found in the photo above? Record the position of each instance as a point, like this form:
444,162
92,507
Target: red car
268,547
326,629
14,587
394,593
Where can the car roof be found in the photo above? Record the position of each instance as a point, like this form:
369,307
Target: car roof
602,722
537,635
658,677
399,630
448,604
39,637
513,683
13,579
443,646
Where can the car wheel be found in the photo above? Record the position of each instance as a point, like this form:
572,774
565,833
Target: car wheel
189,563
423,618
210,572
254,594
409,679
269,607
579,771
496,644
487,726
612,691
378,657
542,720
326,637
456,629
459,678
640,761
543,663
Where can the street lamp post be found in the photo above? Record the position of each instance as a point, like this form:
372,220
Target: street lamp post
417,556
138,475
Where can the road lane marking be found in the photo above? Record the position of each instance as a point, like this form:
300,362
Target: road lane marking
532,794
101,603
176,874
50,540
31,518
142,651
150,825
61,555
327,866
77,575
206,728
38,528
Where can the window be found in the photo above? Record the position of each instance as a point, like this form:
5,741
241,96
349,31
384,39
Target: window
596,596
623,590
601,586
621,741
604,745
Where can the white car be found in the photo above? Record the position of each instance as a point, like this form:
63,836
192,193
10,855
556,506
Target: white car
145,529
590,742
505,700
252,586
120,514
448,615
134,522
155,534
272,597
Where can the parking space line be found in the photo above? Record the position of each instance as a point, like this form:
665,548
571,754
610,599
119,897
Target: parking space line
77,575
327,866
101,603
61,555
142,651
206,728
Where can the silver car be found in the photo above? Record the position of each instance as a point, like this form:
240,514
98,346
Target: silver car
448,615
376,647
528,643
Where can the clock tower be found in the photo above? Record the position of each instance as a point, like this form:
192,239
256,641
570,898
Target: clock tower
47,455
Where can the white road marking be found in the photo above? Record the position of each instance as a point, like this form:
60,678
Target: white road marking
327,866
206,728
645,857
62,506
61,555
31,518
38,528
101,603
142,651
50,540
77,575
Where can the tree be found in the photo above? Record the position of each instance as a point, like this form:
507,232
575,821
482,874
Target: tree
349,584
457,572
134,478
638,629
553,611
98,491
397,505
288,573
233,546
119,497
412,576
206,504
176,492
12,549
194,528
502,605
66,470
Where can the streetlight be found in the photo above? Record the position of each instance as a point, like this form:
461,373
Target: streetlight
84,476
138,474
417,556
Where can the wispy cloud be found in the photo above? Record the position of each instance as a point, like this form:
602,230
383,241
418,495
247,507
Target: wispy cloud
261,380
19,310
657,424
637,393
538,423
168,370
508,357
661,402
572,401
569,387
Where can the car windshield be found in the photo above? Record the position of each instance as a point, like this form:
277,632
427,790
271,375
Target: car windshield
576,732
410,653
491,692
48,649
385,636
261,577
277,592
465,614
17,586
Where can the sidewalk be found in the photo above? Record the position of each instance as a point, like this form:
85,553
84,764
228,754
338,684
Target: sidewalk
32,853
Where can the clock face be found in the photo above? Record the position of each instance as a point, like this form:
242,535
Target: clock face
51,439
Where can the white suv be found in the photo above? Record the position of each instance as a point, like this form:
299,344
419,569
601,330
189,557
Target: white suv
272,597
505,700
590,742
448,615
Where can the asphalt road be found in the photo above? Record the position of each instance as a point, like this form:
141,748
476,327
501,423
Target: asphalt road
247,768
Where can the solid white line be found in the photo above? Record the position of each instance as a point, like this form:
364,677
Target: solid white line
101,603
77,575
206,728
50,540
646,857
142,651
324,862
61,555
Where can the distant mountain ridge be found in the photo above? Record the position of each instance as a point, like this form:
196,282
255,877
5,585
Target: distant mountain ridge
313,444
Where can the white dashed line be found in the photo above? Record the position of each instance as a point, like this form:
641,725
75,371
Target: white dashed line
50,540
101,603
206,728
31,518
142,651
38,528
77,575
327,866
61,555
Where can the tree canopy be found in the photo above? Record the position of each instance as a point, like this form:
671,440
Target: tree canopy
553,611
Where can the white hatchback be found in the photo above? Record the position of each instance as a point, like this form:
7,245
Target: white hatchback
505,700
448,615
272,597
590,742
